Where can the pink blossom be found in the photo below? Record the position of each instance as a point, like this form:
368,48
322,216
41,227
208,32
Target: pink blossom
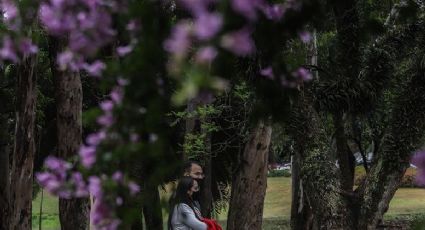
305,36
179,41
207,25
95,69
274,12
134,188
247,8
107,105
7,51
239,42
106,120
10,10
95,138
118,176
117,95
303,74
124,50
267,72
95,187
87,155
27,47
206,54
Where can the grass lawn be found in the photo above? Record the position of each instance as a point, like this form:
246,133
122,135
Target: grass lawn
277,206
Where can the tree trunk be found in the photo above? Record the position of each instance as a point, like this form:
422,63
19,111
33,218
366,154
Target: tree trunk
405,134
206,190
249,185
73,213
24,147
301,213
4,175
151,206
344,154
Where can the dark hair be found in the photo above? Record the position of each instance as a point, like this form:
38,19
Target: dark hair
182,196
187,165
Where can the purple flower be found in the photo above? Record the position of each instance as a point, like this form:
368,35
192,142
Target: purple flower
106,120
305,36
117,95
49,181
56,164
124,50
179,41
95,187
95,69
247,8
81,189
134,188
267,72
87,155
95,138
107,105
69,60
122,82
118,176
207,25
10,11
206,54
274,12
303,74
239,42
27,47
133,25
7,51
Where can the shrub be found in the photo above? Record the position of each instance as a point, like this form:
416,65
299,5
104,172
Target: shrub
279,173
408,180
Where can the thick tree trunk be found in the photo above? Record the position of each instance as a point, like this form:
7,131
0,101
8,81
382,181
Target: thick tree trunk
301,213
406,130
249,185
73,213
24,147
152,206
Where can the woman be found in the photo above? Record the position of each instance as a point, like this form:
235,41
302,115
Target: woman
183,214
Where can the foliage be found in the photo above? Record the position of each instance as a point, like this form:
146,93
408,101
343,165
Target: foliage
279,173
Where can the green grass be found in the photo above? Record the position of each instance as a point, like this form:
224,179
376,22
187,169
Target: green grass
277,206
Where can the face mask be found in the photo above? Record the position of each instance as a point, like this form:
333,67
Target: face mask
200,182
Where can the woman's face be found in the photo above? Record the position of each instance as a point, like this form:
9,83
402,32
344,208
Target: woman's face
194,188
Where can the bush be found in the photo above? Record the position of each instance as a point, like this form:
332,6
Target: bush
408,180
279,173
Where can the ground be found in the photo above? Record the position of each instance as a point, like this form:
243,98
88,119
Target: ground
407,202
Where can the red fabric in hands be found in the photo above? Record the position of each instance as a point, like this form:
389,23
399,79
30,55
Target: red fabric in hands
212,224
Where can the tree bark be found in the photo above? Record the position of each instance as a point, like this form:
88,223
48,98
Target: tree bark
24,147
206,190
4,175
301,213
151,206
249,185
406,130
73,213
344,154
